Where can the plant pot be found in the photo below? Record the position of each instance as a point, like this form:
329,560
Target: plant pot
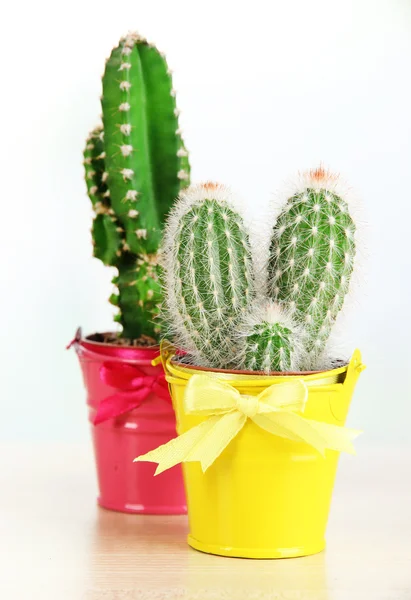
264,496
124,377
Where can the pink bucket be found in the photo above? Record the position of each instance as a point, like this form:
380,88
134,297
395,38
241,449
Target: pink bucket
129,397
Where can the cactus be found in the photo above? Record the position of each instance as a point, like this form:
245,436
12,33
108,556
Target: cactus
135,166
212,307
145,157
209,280
311,257
270,340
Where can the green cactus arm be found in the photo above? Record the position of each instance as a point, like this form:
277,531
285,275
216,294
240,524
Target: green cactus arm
93,161
270,340
312,257
208,273
107,239
139,296
142,141
106,230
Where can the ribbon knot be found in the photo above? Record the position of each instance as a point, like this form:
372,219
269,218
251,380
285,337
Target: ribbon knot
132,385
247,405
277,410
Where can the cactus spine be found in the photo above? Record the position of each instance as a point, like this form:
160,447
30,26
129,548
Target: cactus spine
134,169
270,340
208,273
312,257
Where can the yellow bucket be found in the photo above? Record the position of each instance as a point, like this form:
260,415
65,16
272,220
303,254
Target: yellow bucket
264,496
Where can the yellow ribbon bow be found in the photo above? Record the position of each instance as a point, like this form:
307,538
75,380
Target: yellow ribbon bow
275,410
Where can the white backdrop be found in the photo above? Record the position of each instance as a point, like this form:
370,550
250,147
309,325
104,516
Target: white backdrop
265,88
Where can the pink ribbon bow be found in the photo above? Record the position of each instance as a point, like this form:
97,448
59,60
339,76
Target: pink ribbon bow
133,388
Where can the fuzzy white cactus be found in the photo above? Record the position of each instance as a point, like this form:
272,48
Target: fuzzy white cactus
209,278
312,256
218,310
269,339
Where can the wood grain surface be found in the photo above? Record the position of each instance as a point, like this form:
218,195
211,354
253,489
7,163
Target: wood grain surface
56,544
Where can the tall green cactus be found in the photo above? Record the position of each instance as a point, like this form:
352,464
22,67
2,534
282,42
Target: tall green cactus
209,280
312,257
270,340
135,166
144,155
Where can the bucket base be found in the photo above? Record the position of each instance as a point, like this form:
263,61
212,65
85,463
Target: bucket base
255,552
139,509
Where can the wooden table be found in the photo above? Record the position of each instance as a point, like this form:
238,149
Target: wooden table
56,544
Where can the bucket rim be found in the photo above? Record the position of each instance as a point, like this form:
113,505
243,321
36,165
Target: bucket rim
247,372
93,350
85,340
179,374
